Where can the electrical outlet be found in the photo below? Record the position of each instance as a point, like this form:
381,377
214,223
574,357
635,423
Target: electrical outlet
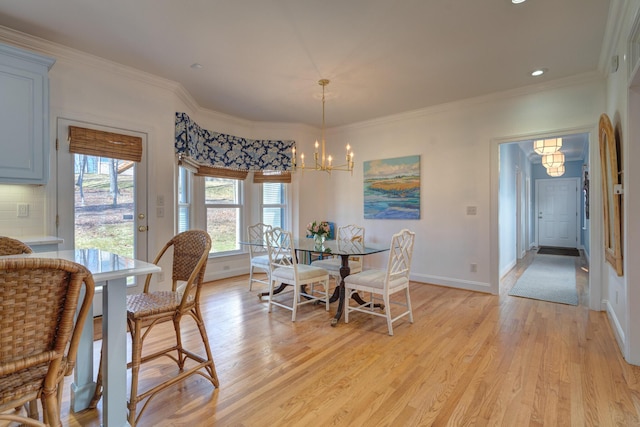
474,267
472,210
161,277
23,210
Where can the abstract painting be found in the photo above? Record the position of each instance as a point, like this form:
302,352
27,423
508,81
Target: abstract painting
392,188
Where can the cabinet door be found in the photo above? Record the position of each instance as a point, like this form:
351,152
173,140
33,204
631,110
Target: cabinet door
24,117
21,142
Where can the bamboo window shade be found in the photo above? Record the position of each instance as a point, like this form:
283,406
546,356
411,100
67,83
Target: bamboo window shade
221,172
105,144
272,176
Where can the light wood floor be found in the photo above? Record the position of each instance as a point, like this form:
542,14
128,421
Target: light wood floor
469,359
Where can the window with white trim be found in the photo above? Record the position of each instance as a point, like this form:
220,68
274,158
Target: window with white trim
184,199
223,203
274,204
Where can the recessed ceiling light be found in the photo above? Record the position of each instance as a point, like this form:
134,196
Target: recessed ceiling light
538,72
196,66
517,1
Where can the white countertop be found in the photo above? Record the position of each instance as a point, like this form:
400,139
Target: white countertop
102,265
40,240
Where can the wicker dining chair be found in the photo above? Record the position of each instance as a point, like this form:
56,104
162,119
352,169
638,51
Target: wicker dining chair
144,311
39,333
9,246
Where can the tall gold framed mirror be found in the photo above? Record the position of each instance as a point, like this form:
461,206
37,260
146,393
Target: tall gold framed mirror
611,193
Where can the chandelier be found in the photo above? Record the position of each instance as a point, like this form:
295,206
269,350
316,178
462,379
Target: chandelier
321,161
553,160
547,146
557,171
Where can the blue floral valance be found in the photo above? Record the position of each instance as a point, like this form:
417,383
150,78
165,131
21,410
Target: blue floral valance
219,150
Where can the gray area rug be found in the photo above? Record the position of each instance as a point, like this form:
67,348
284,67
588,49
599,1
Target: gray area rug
548,278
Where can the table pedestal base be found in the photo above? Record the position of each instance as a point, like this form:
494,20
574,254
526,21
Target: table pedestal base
339,292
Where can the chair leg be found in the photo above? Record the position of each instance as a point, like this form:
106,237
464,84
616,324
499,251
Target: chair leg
32,409
136,355
347,297
296,301
210,367
50,409
326,294
409,305
272,285
97,394
388,313
181,355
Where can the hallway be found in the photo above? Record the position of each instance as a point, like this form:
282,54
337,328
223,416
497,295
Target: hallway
581,271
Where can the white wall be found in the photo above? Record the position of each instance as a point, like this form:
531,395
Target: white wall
10,223
622,294
458,145
508,223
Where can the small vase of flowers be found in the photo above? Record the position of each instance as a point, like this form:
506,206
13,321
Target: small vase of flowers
319,230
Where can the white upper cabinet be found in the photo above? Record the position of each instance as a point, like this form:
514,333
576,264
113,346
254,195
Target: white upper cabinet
24,116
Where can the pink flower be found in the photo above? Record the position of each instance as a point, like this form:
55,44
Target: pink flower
319,227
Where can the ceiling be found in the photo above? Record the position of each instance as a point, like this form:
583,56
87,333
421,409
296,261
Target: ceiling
261,59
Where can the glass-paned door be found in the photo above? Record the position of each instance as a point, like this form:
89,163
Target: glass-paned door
104,204
101,201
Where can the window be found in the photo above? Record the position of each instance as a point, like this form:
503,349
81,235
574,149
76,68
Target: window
274,204
184,199
223,204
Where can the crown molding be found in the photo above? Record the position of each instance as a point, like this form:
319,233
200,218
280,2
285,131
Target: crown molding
576,80
66,54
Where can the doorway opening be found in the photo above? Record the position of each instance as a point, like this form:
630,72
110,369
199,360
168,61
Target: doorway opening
521,178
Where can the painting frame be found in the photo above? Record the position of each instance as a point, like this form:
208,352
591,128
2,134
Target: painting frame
391,188
611,193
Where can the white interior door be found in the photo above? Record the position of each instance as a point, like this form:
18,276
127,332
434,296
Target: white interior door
101,202
557,204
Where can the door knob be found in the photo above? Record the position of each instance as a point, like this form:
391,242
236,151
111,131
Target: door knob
143,228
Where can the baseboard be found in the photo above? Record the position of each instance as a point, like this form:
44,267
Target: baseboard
224,274
508,268
452,283
618,332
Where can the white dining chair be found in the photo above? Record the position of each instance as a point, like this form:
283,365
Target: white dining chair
346,233
381,284
258,252
285,270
